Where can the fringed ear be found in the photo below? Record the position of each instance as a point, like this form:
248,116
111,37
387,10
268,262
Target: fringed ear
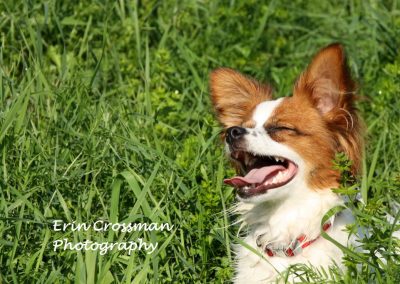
234,95
327,79
327,83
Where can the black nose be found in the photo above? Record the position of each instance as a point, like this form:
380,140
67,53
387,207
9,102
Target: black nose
234,133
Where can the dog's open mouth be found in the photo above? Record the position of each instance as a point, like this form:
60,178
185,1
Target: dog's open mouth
261,173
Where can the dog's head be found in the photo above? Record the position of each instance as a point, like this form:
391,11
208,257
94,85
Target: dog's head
283,144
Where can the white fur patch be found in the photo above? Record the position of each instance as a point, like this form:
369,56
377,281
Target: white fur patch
264,110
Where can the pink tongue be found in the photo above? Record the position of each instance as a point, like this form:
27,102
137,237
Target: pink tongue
256,176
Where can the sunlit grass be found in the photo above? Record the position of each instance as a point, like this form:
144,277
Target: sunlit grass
105,115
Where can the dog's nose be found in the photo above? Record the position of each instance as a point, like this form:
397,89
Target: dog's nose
234,133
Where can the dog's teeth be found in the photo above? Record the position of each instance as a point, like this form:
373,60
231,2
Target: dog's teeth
276,159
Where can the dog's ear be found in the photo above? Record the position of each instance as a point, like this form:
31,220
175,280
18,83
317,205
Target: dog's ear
327,80
328,84
234,95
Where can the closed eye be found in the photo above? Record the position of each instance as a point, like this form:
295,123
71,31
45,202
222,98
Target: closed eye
278,128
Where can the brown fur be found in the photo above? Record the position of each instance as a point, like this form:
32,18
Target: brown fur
328,85
312,141
235,96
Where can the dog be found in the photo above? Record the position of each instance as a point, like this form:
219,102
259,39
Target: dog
283,150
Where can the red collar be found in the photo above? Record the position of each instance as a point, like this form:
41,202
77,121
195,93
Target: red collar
296,247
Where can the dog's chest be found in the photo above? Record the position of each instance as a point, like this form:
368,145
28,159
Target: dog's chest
261,268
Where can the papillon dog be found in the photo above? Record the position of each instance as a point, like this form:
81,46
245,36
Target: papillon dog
283,150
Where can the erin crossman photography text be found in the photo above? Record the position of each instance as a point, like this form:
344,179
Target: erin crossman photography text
104,226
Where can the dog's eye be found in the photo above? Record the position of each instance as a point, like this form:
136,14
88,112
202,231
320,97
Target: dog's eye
279,128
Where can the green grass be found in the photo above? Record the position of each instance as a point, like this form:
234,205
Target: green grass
105,115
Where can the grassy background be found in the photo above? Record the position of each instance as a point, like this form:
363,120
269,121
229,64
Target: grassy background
105,114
